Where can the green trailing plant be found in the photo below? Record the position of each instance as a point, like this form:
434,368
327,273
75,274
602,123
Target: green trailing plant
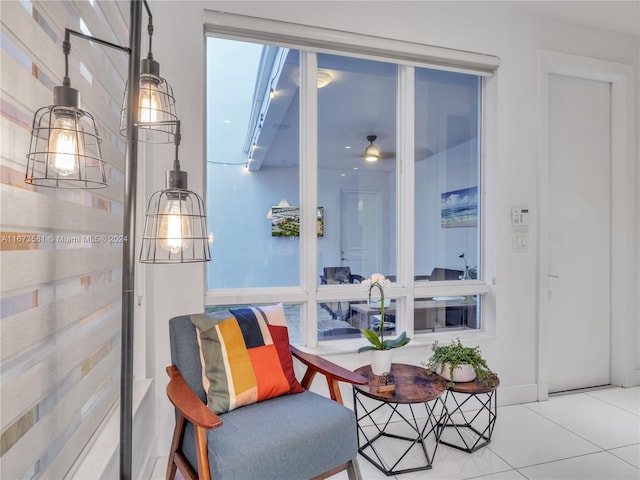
473,272
376,339
456,354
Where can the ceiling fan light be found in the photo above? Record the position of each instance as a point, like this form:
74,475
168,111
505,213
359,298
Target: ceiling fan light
372,152
324,78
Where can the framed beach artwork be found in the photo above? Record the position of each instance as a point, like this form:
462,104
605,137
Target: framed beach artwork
459,208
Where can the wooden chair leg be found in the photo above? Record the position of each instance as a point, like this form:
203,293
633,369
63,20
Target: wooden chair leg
353,470
202,454
176,443
334,390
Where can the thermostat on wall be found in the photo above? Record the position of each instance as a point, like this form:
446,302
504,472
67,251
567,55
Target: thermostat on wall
519,216
520,226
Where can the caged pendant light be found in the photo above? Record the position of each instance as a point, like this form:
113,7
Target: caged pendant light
156,118
175,228
64,151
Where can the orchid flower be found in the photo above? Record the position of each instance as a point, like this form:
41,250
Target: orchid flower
377,280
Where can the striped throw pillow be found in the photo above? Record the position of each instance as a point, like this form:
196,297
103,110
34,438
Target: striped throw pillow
245,356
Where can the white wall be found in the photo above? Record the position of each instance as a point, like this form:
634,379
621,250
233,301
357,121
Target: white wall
490,27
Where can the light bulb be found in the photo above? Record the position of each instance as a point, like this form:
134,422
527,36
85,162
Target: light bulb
150,103
175,226
65,146
372,154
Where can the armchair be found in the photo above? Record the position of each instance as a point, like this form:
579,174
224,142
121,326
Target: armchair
445,274
293,436
334,275
338,275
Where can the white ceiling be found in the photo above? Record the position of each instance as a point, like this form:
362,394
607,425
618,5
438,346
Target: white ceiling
618,16
370,115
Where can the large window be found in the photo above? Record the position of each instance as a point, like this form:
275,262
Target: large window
252,164
300,215
447,192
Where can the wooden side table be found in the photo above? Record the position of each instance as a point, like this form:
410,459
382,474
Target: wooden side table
473,416
385,418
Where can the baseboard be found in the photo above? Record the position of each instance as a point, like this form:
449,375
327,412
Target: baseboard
517,394
102,457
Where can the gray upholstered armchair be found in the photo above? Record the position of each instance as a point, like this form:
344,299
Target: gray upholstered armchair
293,436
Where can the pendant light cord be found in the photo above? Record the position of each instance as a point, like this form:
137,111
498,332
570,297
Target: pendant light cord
149,28
176,140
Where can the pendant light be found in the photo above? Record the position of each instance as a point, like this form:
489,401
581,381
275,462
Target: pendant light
156,119
372,152
175,225
64,151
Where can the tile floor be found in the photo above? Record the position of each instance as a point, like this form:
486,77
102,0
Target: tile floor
590,435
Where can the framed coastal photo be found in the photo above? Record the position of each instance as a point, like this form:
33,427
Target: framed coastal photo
459,208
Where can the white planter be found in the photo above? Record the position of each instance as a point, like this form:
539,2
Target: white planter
381,361
463,373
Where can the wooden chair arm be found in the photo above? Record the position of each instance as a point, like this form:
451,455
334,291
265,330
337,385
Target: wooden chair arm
188,403
329,369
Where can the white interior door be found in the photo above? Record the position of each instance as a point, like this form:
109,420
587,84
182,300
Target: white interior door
359,230
579,233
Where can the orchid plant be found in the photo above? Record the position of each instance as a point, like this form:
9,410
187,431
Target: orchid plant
466,267
469,272
376,339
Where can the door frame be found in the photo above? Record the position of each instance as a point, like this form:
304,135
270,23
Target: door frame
624,258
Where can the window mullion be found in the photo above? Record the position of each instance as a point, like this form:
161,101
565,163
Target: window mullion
308,193
405,195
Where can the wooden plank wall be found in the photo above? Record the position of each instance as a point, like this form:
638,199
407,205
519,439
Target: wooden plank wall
60,250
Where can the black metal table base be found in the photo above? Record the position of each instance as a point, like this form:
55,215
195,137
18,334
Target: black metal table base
417,436
473,420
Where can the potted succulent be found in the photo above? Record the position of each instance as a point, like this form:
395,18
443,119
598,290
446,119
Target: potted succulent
458,363
380,348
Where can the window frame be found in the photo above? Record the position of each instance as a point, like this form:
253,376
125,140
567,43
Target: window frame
310,41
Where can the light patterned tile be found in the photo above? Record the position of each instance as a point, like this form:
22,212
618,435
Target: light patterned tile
626,398
595,420
522,437
597,466
630,454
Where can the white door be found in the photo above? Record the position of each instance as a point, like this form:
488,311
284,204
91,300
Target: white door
359,231
579,233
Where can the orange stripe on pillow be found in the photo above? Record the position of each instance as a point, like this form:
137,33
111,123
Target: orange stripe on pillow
268,369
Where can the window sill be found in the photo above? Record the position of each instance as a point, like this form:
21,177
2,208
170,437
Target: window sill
420,340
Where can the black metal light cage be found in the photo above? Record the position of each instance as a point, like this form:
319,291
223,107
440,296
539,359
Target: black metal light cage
82,168
189,242
156,123
156,119
175,228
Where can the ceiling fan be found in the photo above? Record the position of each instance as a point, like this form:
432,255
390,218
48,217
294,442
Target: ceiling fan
373,153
